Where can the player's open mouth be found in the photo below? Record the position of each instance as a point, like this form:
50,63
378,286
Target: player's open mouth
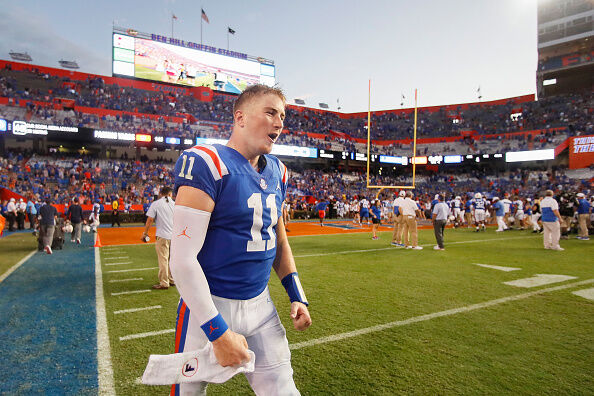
273,136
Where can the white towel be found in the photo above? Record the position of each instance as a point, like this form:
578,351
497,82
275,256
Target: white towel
192,366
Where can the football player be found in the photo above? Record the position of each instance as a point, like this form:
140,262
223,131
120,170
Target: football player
228,232
478,203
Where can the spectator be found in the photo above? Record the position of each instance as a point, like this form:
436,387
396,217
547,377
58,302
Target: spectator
47,221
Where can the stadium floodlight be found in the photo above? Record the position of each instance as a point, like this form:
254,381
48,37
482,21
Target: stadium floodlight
20,56
68,64
414,158
300,101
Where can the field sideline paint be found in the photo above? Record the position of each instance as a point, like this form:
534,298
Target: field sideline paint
422,318
539,280
124,280
130,292
133,269
498,267
122,311
104,366
586,293
149,334
16,266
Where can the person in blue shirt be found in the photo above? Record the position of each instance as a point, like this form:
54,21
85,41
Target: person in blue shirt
376,217
499,214
321,208
228,233
583,212
468,212
31,214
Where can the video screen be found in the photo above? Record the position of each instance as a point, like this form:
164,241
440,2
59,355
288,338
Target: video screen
156,61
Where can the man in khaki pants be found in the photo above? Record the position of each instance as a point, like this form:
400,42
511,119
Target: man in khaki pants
161,212
550,221
410,211
583,210
398,220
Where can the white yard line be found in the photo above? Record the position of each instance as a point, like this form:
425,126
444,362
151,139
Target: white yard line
130,292
130,244
124,280
395,248
539,280
586,293
122,263
123,311
422,318
149,334
130,270
16,266
116,258
104,367
498,267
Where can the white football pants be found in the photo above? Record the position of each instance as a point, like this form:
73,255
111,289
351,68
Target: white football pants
257,320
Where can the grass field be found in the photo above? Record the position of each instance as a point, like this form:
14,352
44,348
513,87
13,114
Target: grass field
537,340
14,248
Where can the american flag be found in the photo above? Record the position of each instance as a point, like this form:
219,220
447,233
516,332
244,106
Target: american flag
205,17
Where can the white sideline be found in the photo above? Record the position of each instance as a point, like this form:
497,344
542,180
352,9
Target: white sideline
133,269
125,280
422,318
136,309
130,292
16,266
149,334
104,367
393,248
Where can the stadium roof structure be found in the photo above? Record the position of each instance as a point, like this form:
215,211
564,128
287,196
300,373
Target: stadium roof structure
69,64
20,56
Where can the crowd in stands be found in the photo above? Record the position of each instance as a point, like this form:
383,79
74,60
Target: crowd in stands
572,113
91,180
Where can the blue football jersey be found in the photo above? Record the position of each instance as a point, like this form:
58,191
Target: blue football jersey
479,203
240,244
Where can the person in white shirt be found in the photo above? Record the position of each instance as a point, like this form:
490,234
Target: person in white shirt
11,214
410,210
506,208
398,220
161,213
440,218
550,221
519,213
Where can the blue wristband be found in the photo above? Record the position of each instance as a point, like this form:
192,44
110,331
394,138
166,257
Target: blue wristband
293,287
215,327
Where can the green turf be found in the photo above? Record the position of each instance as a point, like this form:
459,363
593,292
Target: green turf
543,344
15,247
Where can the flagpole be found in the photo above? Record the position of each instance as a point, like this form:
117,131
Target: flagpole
227,39
172,19
201,19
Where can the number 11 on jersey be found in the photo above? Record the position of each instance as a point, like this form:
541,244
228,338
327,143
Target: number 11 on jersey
258,244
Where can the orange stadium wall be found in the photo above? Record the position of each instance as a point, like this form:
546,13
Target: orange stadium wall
581,152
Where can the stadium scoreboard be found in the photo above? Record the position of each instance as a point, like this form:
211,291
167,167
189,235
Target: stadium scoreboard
168,60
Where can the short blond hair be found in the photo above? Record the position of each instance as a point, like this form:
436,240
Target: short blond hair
255,91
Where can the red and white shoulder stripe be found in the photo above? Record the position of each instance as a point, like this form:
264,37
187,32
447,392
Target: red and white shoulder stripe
284,171
213,160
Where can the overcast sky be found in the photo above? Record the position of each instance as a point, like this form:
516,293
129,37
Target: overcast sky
324,50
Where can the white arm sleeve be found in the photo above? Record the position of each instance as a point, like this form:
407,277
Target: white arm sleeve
189,231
